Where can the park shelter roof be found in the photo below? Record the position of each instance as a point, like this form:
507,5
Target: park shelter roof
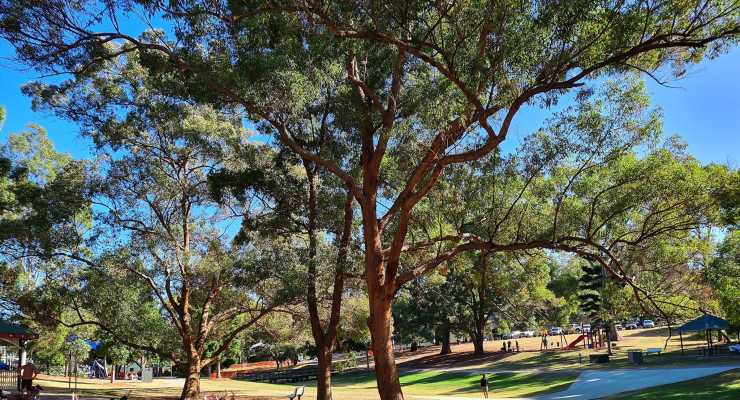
703,323
9,330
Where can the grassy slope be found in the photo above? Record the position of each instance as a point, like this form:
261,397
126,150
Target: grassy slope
457,383
724,386
532,373
353,386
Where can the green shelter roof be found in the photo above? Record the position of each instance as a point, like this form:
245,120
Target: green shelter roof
703,323
9,330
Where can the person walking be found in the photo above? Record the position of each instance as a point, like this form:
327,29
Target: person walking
517,345
484,385
544,342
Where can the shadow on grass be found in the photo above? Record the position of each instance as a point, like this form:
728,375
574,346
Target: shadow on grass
451,383
545,360
455,359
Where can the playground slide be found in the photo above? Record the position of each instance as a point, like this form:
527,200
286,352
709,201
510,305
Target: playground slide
97,370
573,344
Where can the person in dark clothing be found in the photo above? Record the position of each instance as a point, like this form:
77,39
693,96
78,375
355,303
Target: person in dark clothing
544,342
517,346
484,385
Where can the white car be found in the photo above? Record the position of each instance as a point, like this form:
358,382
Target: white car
586,328
648,324
516,334
528,334
556,330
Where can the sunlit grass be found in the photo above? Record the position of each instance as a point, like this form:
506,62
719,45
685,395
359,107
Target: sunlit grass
515,374
351,386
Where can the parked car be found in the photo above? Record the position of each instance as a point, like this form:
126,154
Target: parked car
4,366
630,325
556,330
575,328
648,324
618,327
528,334
516,334
586,328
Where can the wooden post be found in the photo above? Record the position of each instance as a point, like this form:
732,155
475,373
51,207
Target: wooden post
709,344
20,363
680,337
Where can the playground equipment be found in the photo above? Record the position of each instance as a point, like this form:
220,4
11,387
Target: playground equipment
572,345
97,370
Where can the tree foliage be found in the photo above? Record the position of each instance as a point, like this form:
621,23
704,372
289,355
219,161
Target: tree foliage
416,92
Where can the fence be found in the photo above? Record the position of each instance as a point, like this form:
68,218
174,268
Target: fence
8,380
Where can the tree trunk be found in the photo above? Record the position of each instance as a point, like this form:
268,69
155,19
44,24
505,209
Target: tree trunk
445,338
191,389
478,343
479,310
325,335
323,376
386,374
613,333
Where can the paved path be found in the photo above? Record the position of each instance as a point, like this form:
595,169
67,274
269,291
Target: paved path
598,384
602,383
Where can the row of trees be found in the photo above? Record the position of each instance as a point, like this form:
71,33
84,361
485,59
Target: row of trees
376,161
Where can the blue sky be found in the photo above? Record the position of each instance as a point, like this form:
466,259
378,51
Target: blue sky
704,109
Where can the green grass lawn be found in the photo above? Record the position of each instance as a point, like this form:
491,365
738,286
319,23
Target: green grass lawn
353,386
458,383
724,386
528,374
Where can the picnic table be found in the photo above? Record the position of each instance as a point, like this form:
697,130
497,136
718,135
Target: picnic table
653,350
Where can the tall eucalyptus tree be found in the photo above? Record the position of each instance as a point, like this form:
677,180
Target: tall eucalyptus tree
159,245
428,85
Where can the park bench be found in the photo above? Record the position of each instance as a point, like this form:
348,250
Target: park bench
598,358
297,393
654,350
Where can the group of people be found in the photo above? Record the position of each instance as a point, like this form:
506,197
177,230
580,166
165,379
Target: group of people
506,346
543,345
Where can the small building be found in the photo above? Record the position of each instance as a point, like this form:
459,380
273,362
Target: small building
16,336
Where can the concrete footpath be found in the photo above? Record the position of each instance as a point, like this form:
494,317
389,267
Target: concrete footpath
598,384
603,383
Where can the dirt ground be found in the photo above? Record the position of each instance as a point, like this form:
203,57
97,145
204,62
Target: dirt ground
462,354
